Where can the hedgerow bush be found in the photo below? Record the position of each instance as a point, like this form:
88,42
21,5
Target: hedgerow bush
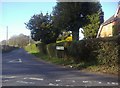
51,50
47,49
109,52
31,48
104,51
42,47
82,50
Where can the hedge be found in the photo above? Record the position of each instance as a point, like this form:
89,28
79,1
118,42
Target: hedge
42,48
103,51
51,50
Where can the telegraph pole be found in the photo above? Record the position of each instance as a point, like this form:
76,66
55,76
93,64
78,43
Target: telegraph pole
7,35
29,40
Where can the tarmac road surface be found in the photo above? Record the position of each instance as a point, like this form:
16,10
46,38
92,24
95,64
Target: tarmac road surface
20,68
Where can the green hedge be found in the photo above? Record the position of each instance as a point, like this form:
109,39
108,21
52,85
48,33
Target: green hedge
42,48
31,48
103,51
51,50
47,49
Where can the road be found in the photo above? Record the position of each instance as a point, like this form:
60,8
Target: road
20,68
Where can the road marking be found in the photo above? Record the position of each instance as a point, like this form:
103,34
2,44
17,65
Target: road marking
57,84
108,82
25,82
69,85
85,81
15,60
51,84
99,82
10,77
92,82
58,80
5,80
114,83
24,78
20,60
73,81
37,79
34,78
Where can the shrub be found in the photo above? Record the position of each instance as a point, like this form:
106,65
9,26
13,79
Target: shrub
31,48
42,48
51,50
103,51
108,53
80,50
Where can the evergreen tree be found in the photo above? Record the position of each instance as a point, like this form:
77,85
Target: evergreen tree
91,29
42,28
74,15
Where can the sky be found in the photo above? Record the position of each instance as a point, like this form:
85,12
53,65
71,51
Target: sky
15,14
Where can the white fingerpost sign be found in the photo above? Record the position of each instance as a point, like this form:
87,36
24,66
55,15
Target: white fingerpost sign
59,47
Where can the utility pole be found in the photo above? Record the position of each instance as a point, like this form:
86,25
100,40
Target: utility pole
7,35
6,38
29,38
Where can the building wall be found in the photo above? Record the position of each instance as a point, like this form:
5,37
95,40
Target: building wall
118,22
107,30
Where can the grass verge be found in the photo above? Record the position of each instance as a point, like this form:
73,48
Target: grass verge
90,67
35,51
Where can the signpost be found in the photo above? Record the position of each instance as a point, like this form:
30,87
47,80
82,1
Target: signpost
60,51
59,47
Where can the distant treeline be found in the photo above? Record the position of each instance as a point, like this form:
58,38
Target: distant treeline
17,41
6,48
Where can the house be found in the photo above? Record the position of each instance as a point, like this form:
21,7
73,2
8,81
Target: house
106,28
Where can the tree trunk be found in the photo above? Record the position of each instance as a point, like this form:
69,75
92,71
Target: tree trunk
75,35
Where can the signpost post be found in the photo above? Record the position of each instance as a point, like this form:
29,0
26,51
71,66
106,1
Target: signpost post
60,51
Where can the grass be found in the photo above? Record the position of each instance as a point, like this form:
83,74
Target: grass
90,67
35,51
31,48
55,60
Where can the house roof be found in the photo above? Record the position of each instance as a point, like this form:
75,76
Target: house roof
119,15
114,17
111,19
